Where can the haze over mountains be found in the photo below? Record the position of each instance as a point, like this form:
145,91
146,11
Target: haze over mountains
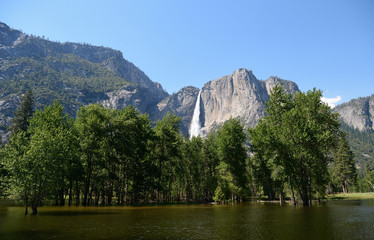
79,74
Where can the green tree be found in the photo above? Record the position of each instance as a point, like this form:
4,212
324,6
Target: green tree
4,174
132,144
232,153
20,122
38,162
369,178
345,170
167,154
193,168
263,162
91,124
295,141
210,161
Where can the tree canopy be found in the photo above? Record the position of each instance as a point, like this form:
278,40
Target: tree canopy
110,156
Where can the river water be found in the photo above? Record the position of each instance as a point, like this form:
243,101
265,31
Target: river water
253,220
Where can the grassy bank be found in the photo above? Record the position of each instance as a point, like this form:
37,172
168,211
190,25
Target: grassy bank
351,196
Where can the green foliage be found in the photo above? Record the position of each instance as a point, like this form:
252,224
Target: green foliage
344,170
362,146
108,155
232,153
38,164
167,155
20,122
194,169
292,144
67,77
210,161
219,195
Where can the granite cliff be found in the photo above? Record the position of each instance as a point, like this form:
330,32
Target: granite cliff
358,113
239,95
80,74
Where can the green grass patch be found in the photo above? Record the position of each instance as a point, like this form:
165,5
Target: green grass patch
351,196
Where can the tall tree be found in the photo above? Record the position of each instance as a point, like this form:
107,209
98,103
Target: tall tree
38,162
20,122
91,123
369,178
296,139
232,152
194,169
211,161
167,153
345,170
270,152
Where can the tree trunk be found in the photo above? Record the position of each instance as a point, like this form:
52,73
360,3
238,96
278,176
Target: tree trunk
26,205
310,188
110,193
77,201
62,198
292,192
70,192
281,195
305,200
345,186
87,184
34,208
126,191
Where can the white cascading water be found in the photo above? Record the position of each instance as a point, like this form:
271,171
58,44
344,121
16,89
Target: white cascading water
195,127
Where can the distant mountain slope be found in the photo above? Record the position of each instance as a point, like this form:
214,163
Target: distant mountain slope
358,113
77,74
362,146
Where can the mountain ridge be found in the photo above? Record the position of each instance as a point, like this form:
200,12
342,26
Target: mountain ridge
79,74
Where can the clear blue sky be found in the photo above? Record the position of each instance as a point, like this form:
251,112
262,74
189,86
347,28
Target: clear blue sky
324,44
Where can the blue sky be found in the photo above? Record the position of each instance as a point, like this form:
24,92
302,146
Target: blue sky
324,44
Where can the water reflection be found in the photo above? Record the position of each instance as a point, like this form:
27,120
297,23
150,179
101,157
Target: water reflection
328,220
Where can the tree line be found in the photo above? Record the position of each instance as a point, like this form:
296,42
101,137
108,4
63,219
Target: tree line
109,156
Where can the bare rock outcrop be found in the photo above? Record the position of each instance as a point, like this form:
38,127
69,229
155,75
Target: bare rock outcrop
358,113
239,95
181,103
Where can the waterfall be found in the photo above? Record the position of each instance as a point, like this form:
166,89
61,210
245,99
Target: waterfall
195,123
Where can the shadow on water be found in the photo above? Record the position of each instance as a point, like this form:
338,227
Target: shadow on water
74,213
30,234
251,220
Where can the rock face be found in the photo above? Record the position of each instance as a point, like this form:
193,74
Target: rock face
358,113
239,95
6,108
182,104
76,74
81,74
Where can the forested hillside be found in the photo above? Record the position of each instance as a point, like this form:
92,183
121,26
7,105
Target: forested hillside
73,80
362,145
76,74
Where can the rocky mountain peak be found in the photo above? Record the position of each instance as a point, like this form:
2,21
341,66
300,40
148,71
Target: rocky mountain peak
290,86
358,113
85,74
239,95
8,36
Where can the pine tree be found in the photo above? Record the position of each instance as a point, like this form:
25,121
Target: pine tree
20,122
345,164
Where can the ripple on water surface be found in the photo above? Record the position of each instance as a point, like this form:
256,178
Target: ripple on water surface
329,220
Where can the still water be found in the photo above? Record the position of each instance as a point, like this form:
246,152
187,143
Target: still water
328,220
